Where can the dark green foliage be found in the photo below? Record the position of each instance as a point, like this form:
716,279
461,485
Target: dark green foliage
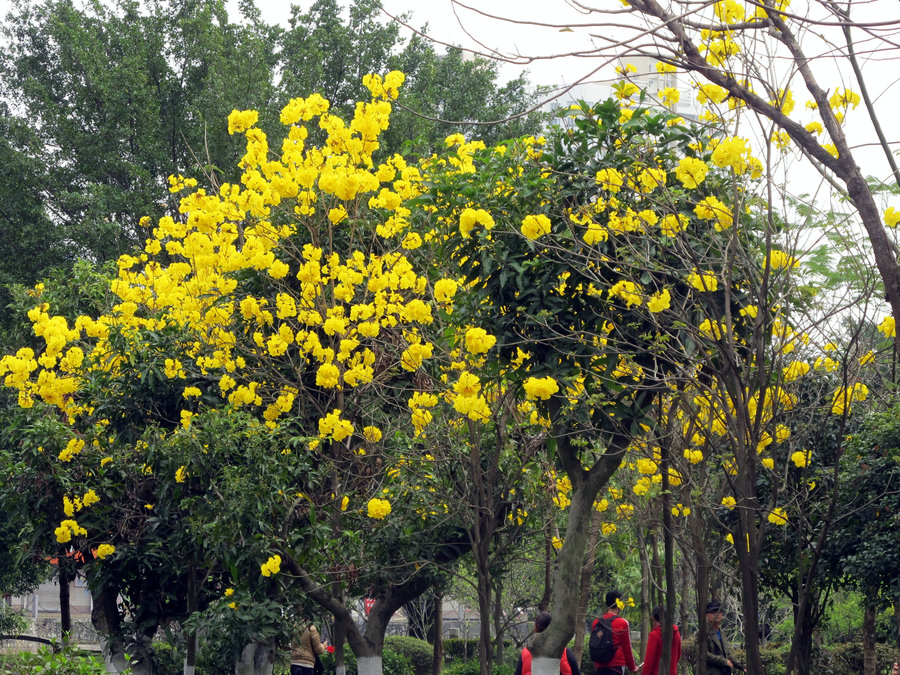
393,662
864,549
12,621
418,652
119,98
460,649
474,668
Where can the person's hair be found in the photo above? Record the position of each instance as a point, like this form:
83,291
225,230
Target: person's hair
659,613
541,621
611,598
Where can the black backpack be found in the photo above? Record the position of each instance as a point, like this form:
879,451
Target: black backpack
601,645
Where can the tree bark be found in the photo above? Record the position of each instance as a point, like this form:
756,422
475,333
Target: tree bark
549,644
870,664
646,599
436,633
190,652
65,606
669,563
587,573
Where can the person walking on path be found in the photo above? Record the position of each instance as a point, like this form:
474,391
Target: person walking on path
718,655
568,664
623,657
653,653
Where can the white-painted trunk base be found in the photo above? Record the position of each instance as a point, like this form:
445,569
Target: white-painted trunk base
340,670
189,670
369,665
116,660
256,659
544,666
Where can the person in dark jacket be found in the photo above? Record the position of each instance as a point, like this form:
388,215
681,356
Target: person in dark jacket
653,653
567,662
718,655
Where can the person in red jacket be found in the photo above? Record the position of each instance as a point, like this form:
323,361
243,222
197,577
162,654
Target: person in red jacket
653,653
568,664
624,658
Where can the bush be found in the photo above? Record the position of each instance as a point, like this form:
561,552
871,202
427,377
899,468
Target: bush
458,649
12,621
349,662
474,668
419,653
774,658
66,662
848,658
393,662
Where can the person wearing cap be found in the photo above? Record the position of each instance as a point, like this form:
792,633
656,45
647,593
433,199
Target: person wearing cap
718,655
624,657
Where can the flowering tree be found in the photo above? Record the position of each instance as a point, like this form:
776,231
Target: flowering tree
208,317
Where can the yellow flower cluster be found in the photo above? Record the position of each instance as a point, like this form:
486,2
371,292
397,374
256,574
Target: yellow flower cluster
378,508
535,226
844,396
271,566
703,281
540,387
68,529
74,504
104,551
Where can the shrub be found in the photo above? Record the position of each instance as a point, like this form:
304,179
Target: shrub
419,653
474,668
460,649
66,662
349,662
393,662
12,621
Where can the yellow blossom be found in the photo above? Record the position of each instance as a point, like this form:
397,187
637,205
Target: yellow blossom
540,388
378,508
535,226
271,566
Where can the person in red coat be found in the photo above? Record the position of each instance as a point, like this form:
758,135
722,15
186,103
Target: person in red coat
624,657
653,653
568,664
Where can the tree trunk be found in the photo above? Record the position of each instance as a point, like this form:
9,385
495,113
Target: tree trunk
106,621
65,607
369,665
897,624
683,611
436,633
190,652
646,599
587,573
498,621
870,665
702,562
257,659
485,655
800,656
669,563
549,644
340,636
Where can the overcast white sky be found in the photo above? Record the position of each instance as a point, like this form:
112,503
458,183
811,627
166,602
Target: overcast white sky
469,28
